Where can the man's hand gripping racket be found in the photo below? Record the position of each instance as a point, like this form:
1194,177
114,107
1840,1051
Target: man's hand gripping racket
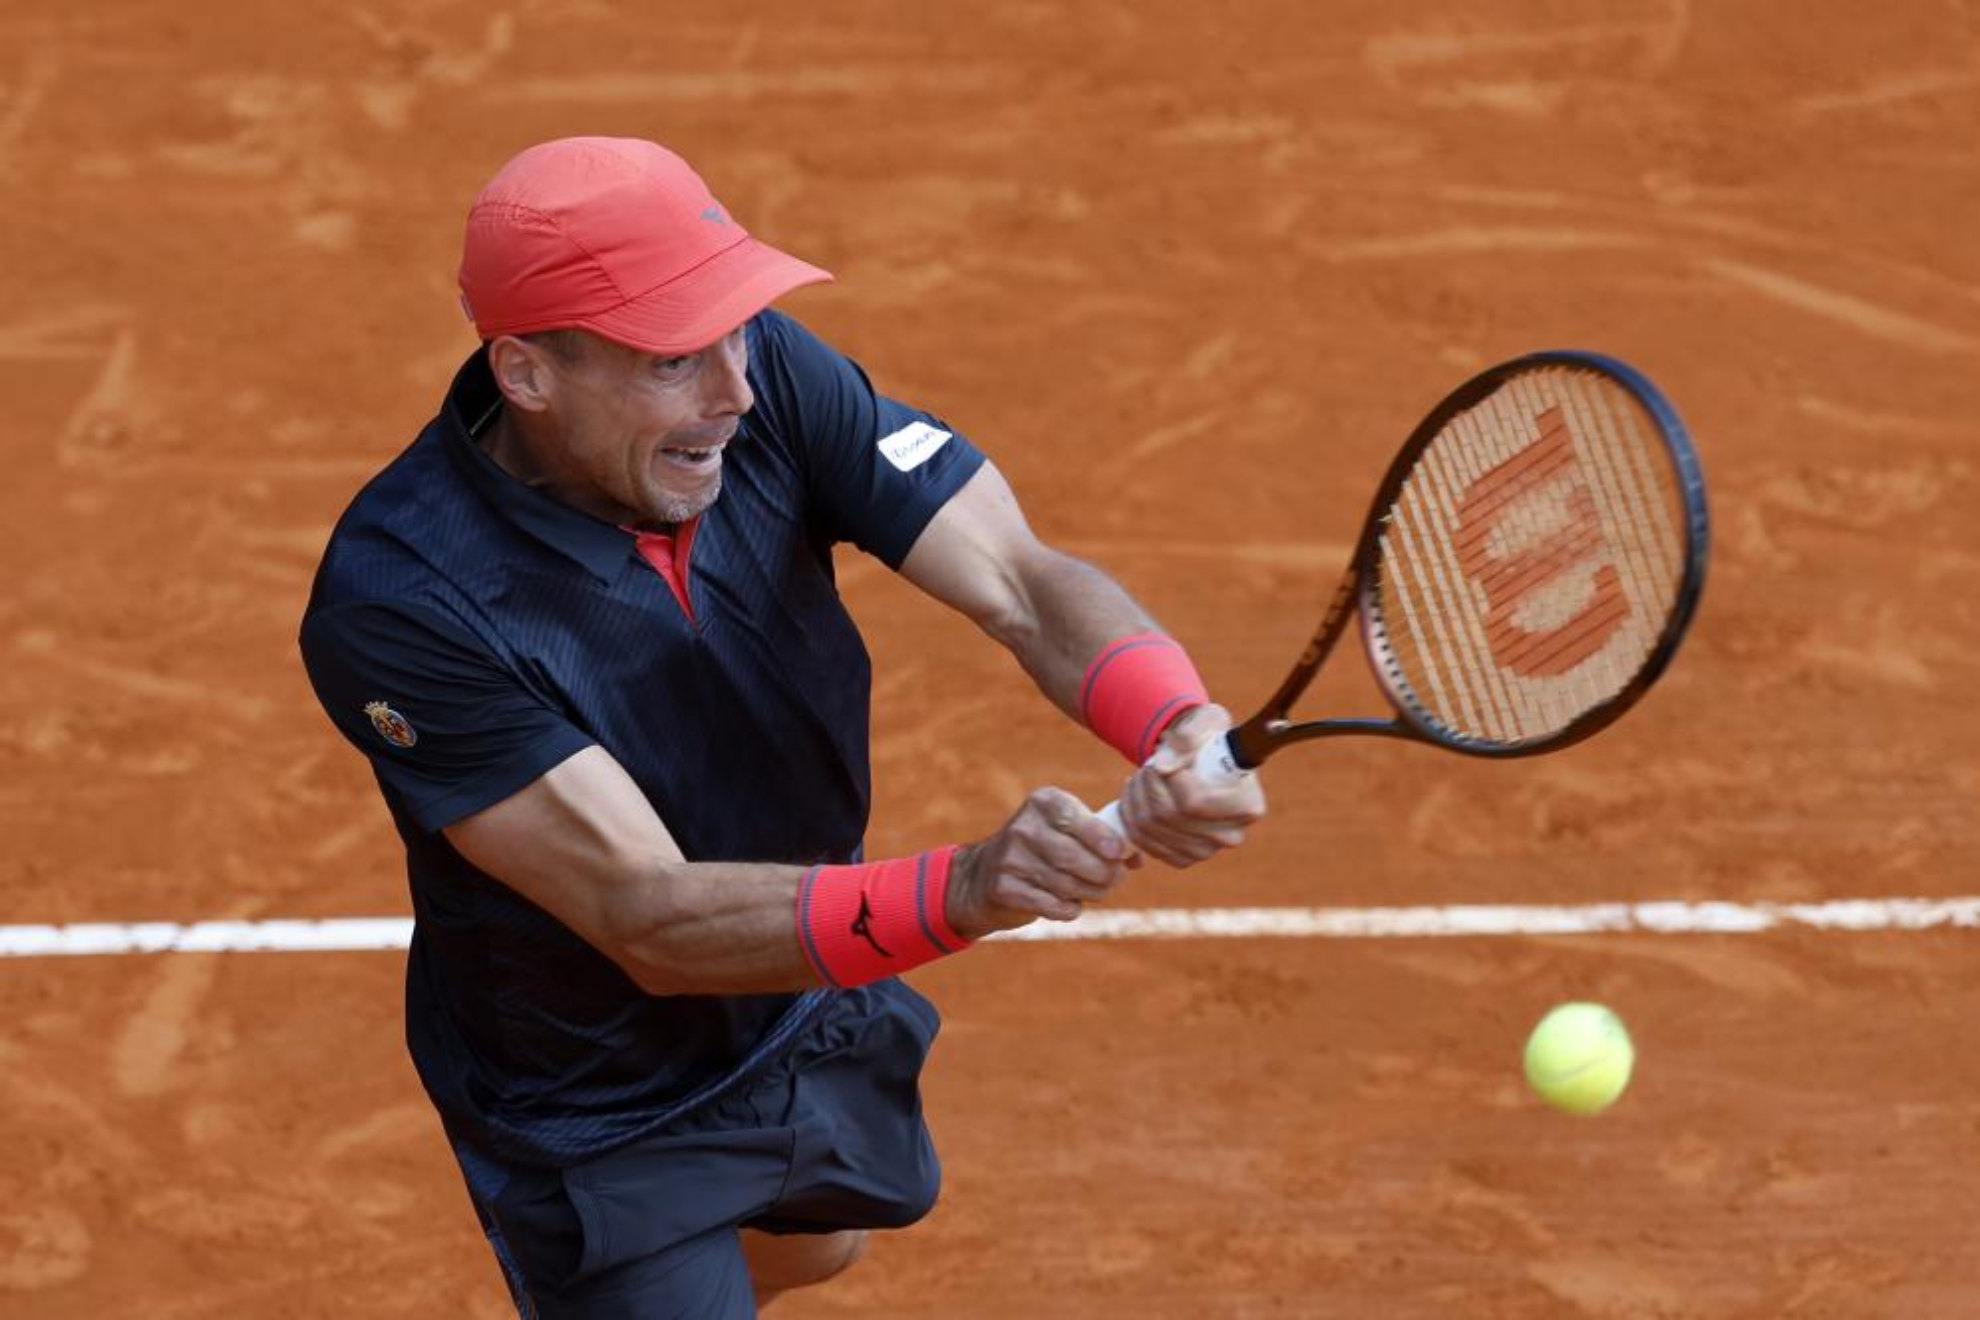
1528,567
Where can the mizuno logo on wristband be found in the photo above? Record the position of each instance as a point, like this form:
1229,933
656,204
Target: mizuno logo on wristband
863,927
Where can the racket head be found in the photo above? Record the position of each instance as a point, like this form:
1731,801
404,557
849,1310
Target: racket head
1535,555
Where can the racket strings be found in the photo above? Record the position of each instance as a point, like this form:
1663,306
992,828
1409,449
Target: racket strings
1531,558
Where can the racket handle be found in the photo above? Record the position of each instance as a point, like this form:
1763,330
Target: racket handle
1216,764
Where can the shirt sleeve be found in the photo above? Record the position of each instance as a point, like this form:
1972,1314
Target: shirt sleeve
448,728
878,469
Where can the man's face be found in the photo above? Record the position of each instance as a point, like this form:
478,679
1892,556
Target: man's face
640,437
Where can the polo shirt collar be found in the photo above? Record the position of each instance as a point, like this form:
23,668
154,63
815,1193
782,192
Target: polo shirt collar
598,546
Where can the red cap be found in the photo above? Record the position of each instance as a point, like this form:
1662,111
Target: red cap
616,236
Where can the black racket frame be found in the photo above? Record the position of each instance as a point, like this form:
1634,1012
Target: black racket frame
1270,731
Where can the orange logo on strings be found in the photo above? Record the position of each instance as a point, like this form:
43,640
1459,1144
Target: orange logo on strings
1522,528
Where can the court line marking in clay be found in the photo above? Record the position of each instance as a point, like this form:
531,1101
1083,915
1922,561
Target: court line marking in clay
351,934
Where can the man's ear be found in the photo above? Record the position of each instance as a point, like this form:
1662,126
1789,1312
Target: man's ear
523,372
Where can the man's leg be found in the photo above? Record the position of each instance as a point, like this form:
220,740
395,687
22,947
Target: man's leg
779,1262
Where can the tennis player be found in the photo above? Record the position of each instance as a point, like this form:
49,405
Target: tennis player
586,632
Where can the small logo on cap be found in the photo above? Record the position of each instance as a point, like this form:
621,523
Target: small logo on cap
713,215
391,725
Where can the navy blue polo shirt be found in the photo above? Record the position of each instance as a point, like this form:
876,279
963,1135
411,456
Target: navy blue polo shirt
467,633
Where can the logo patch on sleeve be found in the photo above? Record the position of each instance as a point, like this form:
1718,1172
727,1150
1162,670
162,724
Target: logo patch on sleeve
913,445
391,725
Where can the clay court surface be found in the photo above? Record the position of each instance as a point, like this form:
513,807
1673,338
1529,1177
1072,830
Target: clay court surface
1189,272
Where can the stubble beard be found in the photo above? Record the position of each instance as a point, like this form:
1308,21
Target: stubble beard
677,509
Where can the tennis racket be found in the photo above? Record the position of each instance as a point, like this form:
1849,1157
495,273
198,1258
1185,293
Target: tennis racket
1528,568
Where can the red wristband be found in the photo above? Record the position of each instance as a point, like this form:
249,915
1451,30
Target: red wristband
1135,688
872,920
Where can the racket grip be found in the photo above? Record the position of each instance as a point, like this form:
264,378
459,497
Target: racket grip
1216,764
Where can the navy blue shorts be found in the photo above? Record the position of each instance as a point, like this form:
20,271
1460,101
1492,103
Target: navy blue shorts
828,1137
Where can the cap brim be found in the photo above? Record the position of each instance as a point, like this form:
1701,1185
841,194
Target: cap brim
690,313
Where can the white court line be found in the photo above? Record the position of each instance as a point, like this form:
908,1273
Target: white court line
1662,918
206,937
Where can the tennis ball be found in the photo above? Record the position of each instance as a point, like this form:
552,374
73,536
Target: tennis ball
1579,1058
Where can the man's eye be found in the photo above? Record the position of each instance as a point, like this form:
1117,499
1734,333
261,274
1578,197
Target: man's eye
673,366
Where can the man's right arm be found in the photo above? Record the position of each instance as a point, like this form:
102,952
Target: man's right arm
583,843
532,801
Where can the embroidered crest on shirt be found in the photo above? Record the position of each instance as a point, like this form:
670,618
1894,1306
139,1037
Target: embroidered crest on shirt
391,725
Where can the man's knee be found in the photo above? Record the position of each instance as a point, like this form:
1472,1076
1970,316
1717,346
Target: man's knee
780,1262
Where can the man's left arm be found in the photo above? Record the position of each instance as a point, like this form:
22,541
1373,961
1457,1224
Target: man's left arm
1081,636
